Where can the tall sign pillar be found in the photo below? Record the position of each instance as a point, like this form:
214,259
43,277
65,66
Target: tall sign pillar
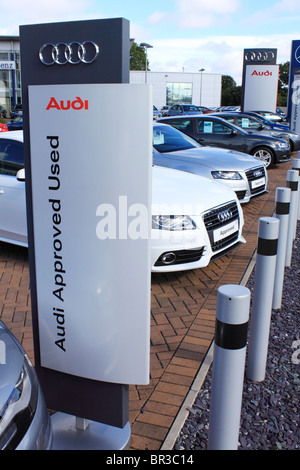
293,111
88,160
260,80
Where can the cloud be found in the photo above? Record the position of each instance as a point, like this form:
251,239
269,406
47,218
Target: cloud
203,13
192,14
19,12
280,10
157,17
217,54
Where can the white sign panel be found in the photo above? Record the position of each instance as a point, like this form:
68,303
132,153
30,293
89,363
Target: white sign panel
91,159
261,87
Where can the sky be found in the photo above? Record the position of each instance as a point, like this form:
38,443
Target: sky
186,35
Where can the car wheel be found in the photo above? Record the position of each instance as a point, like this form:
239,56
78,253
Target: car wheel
264,154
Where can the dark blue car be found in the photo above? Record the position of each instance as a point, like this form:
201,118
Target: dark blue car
268,122
15,124
183,109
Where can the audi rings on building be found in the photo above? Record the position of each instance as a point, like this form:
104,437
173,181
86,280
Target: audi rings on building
72,53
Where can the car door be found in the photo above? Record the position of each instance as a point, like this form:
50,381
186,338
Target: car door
218,134
175,110
13,225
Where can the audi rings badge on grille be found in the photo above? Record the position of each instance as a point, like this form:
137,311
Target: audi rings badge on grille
224,215
259,56
72,53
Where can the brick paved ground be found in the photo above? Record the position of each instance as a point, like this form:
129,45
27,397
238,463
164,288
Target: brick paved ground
182,320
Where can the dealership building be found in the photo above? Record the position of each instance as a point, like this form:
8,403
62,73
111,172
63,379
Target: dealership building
10,73
199,88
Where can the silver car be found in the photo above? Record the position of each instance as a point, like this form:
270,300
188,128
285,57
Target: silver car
24,420
243,173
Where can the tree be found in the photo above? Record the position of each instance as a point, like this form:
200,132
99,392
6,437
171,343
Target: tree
284,71
138,58
231,93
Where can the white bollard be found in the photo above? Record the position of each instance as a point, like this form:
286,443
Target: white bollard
292,183
262,298
282,211
296,167
232,318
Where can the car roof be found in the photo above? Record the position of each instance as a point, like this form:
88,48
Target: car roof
12,135
234,113
190,116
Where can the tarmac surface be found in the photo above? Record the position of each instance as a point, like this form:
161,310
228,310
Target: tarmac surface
183,309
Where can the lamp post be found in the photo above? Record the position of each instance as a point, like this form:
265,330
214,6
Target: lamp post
201,71
146,46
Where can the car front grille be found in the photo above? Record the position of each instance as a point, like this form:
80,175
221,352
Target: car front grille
255,174
219,217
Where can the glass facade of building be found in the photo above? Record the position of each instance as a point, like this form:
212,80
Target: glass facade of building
10,80
179,93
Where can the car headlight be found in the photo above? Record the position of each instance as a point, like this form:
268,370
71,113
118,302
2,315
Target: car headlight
173,222
226,175
18,411
283,145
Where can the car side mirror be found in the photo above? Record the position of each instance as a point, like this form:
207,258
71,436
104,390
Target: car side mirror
234,132
21,175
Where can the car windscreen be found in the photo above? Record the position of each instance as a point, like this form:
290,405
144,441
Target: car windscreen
168,139
190,108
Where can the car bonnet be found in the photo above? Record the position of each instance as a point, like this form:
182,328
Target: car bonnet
181,193
215,158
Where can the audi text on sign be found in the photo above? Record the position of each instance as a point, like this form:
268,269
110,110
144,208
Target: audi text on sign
72,53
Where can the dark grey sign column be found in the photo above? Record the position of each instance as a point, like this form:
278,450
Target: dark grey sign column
52,54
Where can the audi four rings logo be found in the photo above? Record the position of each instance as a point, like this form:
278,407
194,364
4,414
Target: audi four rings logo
72,53
259,56
224,215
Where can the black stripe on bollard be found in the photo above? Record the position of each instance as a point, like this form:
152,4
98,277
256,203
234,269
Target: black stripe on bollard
282,208
293,185
267,247
231,336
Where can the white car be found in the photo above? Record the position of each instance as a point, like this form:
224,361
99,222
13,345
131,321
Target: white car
194,219
198,220
24,420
